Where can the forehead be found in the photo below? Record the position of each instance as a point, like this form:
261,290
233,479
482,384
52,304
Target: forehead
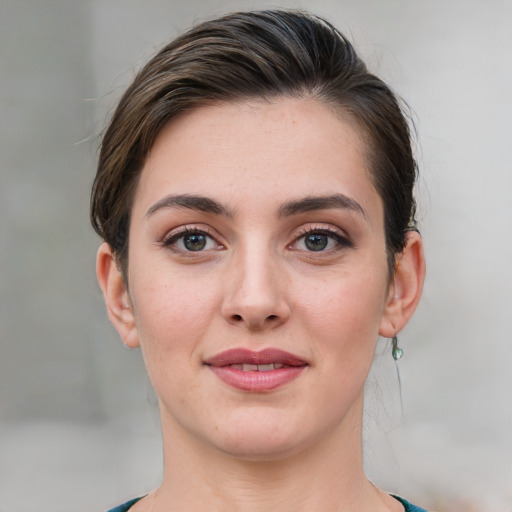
255,151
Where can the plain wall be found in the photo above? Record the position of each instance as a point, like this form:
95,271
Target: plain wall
78,421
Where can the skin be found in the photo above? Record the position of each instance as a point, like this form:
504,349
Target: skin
257,284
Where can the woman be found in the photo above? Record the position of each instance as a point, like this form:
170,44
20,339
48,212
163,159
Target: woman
254,192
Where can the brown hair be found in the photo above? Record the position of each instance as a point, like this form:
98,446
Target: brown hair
265,54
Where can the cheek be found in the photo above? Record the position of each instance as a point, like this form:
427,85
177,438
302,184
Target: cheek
343,315
172,314
172,318
343,323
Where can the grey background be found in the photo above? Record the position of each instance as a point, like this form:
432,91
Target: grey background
78,422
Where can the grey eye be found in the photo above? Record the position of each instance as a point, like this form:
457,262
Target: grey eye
316,241
194,242
191,241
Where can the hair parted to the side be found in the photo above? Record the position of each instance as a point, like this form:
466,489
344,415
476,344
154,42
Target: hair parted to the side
253,55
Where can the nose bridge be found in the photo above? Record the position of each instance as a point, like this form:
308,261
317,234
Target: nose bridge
255,294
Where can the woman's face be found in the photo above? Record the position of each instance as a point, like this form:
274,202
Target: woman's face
257,274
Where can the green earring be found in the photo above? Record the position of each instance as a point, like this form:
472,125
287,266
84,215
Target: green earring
396,350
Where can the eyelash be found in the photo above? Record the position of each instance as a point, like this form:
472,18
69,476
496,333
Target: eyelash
341,240
170,241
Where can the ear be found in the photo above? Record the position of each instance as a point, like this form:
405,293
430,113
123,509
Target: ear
405,287
117,299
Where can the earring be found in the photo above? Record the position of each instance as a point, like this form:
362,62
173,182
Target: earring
396,351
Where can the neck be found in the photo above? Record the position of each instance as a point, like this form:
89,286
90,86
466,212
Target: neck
328,475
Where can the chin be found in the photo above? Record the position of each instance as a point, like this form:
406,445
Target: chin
262,437
258,449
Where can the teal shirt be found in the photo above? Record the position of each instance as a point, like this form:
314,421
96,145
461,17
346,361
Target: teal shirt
125,507
409,507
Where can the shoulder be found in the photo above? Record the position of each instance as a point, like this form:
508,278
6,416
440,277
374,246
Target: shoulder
125,506
409,507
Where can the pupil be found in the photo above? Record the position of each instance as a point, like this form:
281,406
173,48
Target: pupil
194,242
316,242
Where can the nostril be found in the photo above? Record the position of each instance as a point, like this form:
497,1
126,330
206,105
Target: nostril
238,318
272,317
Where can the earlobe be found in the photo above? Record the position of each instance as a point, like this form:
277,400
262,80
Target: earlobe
117,298
406,287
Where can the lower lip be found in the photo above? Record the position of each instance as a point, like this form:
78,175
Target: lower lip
255,381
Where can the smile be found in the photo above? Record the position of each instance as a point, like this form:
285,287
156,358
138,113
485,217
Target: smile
256,372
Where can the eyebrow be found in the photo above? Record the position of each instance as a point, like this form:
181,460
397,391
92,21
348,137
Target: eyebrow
313,203
193,202
294,207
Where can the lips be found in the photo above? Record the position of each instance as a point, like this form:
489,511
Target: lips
260,371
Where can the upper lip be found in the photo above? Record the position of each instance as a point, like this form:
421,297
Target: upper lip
246,356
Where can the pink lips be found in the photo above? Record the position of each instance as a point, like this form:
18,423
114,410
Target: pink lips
256,371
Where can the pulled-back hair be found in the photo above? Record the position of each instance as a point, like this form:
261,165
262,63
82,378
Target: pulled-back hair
253,55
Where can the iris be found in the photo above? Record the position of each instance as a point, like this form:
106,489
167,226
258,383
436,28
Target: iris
194,242
316,242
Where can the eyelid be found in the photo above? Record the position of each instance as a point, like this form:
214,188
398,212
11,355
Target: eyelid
337,234
175,234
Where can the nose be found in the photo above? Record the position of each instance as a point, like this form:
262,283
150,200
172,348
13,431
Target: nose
255,296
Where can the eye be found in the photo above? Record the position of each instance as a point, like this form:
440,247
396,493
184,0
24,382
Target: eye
191,240
321,240
316,241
